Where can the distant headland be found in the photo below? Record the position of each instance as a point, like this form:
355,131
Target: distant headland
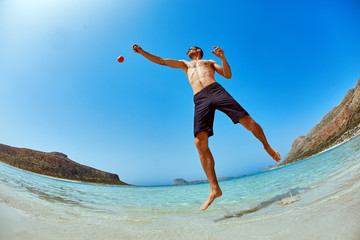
55,164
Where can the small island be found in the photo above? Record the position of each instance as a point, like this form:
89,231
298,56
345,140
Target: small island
181,181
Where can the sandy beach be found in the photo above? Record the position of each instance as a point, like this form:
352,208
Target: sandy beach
336,217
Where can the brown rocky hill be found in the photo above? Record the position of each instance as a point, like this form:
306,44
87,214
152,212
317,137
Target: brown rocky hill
55,164
339,125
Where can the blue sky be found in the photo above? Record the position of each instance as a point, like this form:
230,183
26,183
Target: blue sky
63,90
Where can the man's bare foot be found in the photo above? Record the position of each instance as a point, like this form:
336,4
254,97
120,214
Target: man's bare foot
213,194
273,153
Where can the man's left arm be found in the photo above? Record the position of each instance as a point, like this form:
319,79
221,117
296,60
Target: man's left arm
225,70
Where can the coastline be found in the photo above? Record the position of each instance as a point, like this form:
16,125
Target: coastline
328,149
63,179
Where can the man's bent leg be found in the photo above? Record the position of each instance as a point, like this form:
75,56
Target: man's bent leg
208,164
255,128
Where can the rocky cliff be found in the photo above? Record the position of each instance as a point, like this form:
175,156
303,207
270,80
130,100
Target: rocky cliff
339,125
55,164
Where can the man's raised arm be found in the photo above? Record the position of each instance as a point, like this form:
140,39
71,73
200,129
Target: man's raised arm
225,70
155,59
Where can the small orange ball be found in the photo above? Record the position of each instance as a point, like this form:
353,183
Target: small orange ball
120,59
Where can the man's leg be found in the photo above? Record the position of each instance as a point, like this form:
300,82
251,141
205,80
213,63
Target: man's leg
255,128
208,164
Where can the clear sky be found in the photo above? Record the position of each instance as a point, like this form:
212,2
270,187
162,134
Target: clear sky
61,88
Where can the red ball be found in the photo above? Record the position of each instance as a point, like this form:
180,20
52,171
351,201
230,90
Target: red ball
120,59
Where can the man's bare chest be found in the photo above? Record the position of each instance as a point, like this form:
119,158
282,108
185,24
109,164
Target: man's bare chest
200,67
200,64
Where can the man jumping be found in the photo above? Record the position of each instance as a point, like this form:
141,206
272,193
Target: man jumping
209,96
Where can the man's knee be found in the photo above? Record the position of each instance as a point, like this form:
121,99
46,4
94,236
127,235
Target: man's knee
201,140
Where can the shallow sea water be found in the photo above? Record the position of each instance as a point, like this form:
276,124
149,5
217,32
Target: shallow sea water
318,198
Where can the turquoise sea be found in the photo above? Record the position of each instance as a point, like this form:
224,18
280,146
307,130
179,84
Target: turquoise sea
317,198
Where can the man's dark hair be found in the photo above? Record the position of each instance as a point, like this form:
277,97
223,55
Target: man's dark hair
201,51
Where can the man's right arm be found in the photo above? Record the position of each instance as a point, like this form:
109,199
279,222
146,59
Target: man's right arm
155,59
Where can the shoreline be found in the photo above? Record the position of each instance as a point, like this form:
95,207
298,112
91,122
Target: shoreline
63,179
328,149
198,181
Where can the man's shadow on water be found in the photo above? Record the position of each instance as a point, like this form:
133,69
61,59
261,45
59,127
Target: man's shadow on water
284,199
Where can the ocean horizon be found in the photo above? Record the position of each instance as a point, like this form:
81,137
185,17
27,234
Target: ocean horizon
317,198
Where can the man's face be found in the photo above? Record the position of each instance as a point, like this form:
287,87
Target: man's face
192,50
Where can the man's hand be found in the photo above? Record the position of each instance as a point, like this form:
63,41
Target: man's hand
137,49
218,52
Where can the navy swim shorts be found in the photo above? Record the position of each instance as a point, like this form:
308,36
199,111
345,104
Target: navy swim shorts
210,98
